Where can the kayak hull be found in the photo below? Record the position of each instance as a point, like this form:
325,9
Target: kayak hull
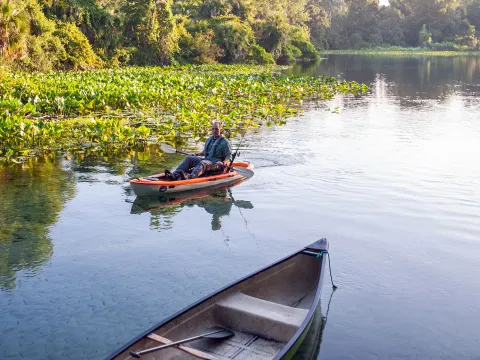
157,185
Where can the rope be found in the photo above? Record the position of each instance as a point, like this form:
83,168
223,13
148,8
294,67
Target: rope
329,266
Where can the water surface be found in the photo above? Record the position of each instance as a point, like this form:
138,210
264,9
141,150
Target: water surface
392,179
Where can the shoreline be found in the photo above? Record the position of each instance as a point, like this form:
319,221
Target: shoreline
400,52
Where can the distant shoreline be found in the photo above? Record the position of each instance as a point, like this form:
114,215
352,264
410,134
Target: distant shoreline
400,52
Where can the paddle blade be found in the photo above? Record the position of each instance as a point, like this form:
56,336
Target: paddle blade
243,204
217,332
168,149
244,171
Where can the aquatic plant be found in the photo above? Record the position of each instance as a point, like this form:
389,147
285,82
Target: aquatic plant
121,108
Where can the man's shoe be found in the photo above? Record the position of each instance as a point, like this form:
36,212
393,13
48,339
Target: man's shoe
168,175
179,175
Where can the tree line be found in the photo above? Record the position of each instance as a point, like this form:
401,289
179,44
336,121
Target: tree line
85,34
434,24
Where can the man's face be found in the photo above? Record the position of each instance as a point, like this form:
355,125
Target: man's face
216,130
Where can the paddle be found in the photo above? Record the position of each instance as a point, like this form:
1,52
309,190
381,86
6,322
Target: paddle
247,173
171,150
210,333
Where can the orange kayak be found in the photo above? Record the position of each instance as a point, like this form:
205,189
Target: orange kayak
157,184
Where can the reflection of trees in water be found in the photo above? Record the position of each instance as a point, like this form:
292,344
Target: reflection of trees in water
217,202
145,160
30,201
151,160
411,80
162,219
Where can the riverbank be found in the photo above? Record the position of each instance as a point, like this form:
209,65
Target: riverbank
400,52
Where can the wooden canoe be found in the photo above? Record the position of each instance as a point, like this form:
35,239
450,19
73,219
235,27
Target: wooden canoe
269,311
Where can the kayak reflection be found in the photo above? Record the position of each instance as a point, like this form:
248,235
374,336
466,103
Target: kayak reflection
217,202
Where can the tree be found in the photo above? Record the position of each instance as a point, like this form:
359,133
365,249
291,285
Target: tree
473,13
424,37
101,28
390,26
14,28
440,16
235,38
358,27
151,27
318,23
466,35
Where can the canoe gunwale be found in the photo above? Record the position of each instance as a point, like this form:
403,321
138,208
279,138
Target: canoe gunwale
307,321
288,346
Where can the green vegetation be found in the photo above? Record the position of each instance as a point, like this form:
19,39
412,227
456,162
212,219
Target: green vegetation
118,109
444,25
87,34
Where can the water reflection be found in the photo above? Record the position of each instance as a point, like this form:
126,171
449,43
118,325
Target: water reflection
412,81
218,202
31,198
310,348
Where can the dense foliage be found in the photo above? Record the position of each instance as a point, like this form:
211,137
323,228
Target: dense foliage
446,25
85,34
117,109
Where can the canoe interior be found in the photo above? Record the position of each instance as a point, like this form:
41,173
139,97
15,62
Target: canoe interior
264,311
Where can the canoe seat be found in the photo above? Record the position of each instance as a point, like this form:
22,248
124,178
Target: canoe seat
267,319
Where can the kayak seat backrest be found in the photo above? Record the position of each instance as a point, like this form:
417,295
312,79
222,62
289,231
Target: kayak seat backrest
265,318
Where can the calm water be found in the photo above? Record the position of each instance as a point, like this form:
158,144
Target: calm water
392,180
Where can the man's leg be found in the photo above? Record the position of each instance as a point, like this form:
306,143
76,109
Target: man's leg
200,169
187,163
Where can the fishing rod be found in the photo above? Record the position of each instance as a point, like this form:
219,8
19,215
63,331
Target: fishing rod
238,148
240,210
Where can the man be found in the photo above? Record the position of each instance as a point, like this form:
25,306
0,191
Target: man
215,156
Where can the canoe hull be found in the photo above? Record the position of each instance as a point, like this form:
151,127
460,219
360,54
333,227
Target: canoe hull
250,287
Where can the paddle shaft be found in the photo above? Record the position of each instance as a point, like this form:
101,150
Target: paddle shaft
181,152
146,351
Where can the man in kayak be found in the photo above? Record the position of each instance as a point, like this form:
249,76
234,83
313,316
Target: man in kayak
214,157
